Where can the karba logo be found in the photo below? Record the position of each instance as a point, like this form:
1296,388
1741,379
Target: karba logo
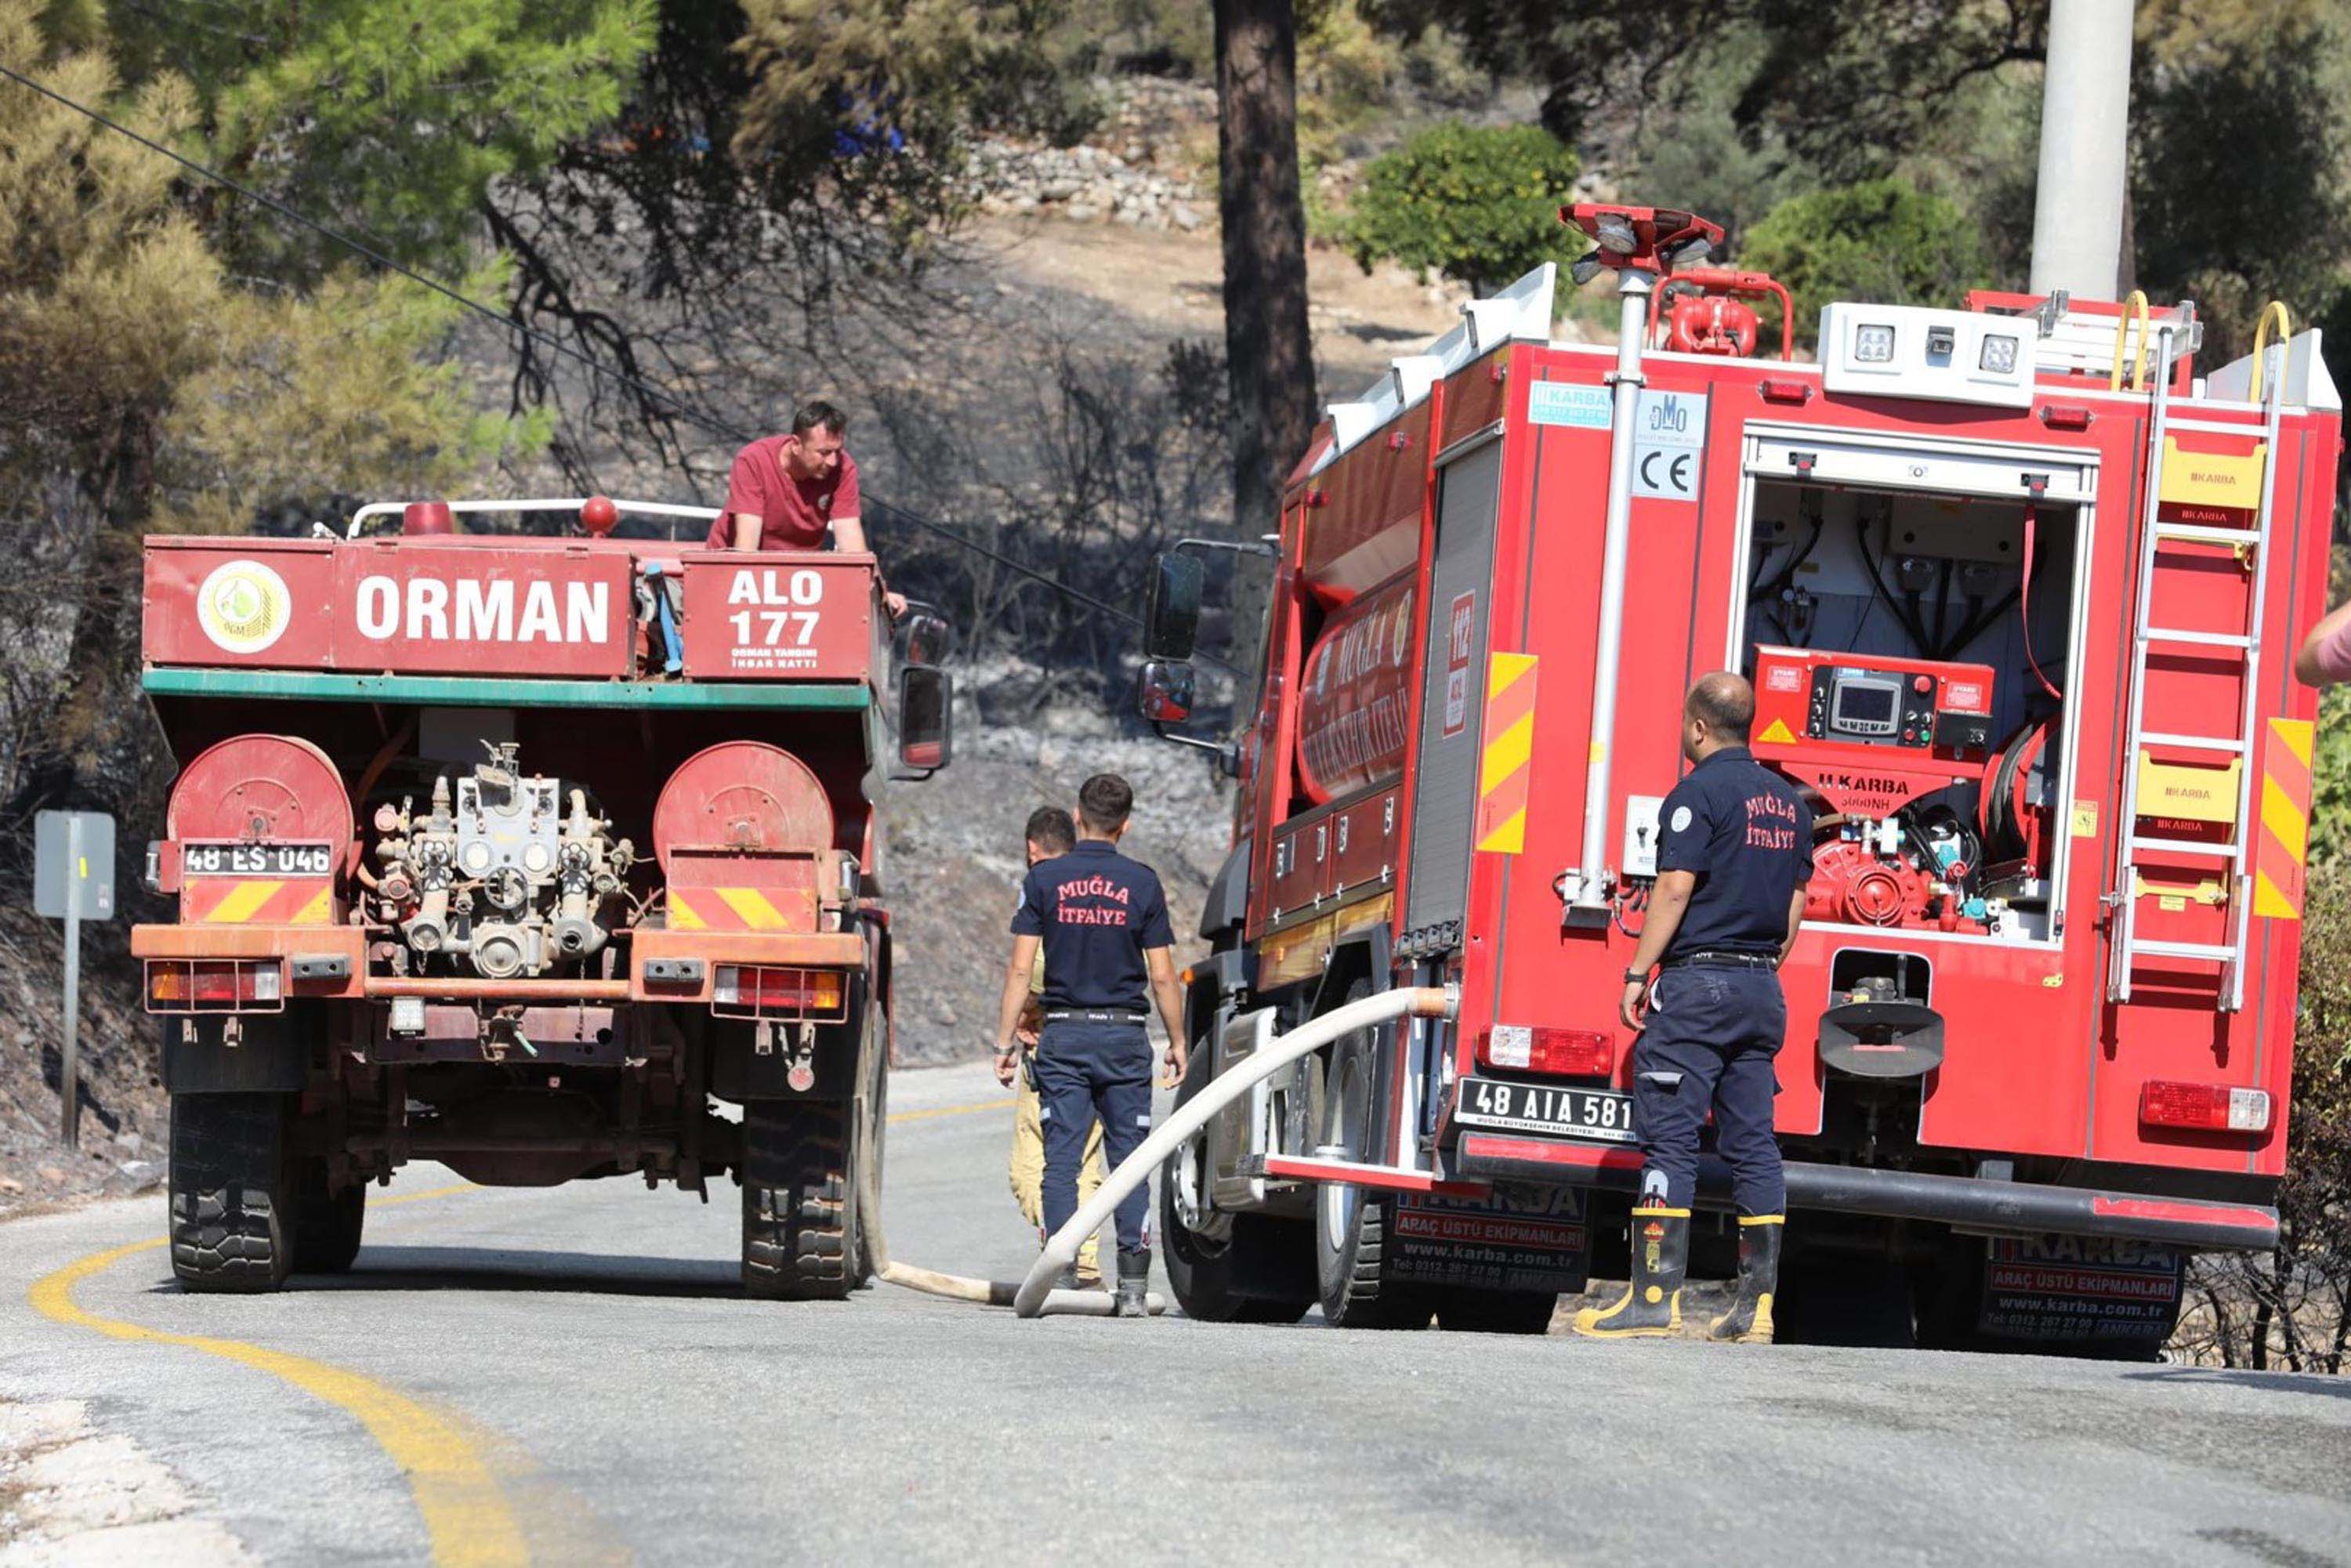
244,606
1861,783
473,610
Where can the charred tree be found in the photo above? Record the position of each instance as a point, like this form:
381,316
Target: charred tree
1268,356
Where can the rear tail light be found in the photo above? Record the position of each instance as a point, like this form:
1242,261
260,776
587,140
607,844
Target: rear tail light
2213,1108
746,991
1539,1047
215,985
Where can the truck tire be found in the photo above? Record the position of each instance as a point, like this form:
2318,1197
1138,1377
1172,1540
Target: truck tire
229,1192
1351,1226
327,1224
1227,1268
1496,1312
800,1216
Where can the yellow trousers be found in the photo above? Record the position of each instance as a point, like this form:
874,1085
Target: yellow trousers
1028,1169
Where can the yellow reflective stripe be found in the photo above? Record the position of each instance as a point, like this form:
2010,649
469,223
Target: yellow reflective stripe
1510,751
2269,901
2284,820
681,914
751,907
1509,836
243,903
1504,671
319,911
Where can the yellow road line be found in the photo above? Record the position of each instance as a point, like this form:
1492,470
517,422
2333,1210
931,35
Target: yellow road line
949,1111
452,1190
465,1514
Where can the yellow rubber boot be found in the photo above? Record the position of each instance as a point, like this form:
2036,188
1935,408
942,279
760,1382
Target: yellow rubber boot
1652,1307
1749,1321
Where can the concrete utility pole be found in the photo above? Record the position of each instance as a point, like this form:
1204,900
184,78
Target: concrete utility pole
2077,205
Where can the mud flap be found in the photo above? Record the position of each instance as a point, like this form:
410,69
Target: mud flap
2080,1289
769,1062
1516,1239
272,1054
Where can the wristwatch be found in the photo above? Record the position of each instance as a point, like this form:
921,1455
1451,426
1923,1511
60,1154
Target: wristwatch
1637,977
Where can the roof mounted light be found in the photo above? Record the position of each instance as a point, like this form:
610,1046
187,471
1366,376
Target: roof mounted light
1614,233
1690,255
1586,267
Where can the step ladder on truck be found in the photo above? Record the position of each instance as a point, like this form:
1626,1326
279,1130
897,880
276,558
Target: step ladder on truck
2164,539
2002,576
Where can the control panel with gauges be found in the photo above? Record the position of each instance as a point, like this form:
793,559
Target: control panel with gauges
1809,700
1868,731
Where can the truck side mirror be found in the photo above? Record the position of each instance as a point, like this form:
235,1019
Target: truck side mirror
1171,618
922,637
1165,693
926,717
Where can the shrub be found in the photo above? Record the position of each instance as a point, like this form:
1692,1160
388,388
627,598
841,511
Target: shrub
1475,203
1885,241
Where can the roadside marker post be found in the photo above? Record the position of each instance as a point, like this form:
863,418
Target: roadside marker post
73,880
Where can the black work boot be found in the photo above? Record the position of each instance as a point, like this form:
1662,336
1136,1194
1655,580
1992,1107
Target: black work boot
1652,1307
1749,1321
1067,1280
1134,1284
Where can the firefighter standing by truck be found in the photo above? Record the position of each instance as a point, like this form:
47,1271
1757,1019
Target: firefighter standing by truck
1734,854
1109,949
1051,832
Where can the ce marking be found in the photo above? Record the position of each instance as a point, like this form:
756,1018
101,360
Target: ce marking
1677,475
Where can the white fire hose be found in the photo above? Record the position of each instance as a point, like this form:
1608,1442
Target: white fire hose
960,1287
1035,1295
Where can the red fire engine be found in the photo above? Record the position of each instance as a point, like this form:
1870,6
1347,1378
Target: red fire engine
514,853
2012,583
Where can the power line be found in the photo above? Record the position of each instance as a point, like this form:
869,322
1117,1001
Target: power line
693,414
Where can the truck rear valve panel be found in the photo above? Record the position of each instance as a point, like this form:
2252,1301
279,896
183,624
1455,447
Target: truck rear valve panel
496,877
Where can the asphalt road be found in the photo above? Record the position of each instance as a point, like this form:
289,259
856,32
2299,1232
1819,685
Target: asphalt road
574,1372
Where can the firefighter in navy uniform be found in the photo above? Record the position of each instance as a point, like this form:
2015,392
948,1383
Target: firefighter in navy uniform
1109,951
1734,852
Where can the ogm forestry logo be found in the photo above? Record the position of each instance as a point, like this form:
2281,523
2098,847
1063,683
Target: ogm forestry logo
244,606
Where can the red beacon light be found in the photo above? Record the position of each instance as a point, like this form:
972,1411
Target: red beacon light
599,516
427,518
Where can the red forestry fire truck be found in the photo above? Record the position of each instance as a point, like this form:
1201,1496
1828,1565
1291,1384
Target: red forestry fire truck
2013,583
516,854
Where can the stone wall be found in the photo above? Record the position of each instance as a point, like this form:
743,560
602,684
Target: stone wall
1146,164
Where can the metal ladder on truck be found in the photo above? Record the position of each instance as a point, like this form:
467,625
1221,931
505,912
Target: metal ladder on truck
2130,951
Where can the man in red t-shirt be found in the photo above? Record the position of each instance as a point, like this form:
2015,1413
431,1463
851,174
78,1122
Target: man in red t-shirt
785,491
